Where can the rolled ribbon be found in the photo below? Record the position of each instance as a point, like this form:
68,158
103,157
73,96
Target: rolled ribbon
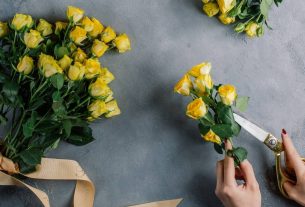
167,203
52,169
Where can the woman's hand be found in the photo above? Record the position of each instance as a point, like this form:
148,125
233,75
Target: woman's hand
228,191
293,161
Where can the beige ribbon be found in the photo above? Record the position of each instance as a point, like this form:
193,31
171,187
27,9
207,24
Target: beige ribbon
167,203
52,169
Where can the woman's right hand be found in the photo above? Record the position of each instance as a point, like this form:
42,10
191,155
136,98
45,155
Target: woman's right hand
293,161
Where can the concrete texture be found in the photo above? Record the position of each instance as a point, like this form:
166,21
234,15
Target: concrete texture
152,151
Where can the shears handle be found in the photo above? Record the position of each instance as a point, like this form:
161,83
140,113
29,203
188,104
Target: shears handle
283,174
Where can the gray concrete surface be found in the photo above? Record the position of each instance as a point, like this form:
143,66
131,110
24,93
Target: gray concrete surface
152,151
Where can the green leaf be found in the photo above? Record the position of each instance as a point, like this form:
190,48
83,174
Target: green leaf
235,129
80,136
225,113
10,89
242,103
60,51
3,119
239,154
67,126
265,6
57,81
218,148
3,77
203,129
31,156
223,130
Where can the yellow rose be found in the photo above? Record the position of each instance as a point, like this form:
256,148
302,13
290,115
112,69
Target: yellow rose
122,42
251,29
196,109
212,137
225,5
65,62
59,26
44,27
75,14
3,29
21,20
98,27
78,35
76,71
48,65
200,69
204,82
99,48
211,9
96,109
32,39
79,55
100,89
25,65
106,76
87,24
112,108
184,86
93,68
225,19
227,94
72,47
108,34
205,1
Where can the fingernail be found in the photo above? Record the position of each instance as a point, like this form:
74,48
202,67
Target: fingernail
284,132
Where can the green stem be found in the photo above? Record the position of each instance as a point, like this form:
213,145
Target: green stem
38,90
81,104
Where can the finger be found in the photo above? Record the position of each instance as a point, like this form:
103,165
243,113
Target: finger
229,169
292,154
248,172
219,175
289,189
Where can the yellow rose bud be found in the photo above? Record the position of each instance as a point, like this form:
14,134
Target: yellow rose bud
251,29
227,94
200,69
196,109
122,42
65,62
93,68
21,20
203,83
100,89
211,9
48,65
87,24
106,76
76,71
78,35
212,137
75,14
3,29
44,27
225,5
98,27
184,86
32,39
225,19
96,109
99,48
25,65
59,26
108,34
79,55
112,108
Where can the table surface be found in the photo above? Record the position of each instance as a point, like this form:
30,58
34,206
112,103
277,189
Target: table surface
152,151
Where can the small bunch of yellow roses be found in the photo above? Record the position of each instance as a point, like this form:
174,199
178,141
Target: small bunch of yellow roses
212,107
53,83
250,15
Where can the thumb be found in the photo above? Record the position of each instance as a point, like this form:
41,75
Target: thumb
289,188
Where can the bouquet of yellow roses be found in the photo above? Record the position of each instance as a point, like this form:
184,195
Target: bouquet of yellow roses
52,84
250,15
212,107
